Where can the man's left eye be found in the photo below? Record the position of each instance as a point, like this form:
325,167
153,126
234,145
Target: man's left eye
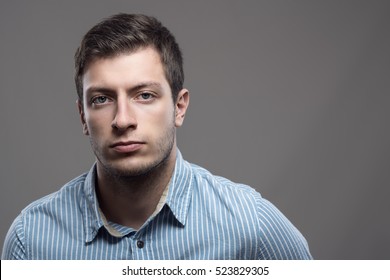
146,96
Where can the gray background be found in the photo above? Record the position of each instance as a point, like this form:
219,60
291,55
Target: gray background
290,97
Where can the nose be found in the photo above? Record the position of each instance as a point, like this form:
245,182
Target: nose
124,116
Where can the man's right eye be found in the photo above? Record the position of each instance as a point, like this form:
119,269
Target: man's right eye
100,100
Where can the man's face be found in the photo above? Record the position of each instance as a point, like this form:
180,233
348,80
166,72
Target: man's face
128,112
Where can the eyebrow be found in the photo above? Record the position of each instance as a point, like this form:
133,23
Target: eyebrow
144,85
137,87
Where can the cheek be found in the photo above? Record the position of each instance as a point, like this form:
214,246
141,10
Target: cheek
167,119
161,116
98,123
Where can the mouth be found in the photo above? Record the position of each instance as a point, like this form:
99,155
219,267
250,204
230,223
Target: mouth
127,147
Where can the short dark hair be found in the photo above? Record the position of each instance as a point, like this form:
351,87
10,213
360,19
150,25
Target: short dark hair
126,33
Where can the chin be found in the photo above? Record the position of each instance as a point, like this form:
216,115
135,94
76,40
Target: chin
130,169
137,164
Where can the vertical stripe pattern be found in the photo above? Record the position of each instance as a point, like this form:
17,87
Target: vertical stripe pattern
204,217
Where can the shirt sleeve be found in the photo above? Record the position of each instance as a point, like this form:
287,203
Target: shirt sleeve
279,238
14,245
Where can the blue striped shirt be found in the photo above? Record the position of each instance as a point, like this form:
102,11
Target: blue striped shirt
204,217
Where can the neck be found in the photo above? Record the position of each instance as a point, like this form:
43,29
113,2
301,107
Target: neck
131,200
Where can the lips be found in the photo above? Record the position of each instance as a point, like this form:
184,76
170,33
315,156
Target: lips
127,147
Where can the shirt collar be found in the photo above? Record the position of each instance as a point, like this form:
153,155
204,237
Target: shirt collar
178,198
180,189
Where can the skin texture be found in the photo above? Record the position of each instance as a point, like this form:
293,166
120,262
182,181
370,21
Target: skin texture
130,118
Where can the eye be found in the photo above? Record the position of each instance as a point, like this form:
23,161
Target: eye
146,96
100,100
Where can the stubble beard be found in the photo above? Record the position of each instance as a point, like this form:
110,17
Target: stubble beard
131,173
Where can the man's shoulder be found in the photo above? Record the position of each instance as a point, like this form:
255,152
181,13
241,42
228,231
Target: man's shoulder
205,178
275,236
242,199
42,216
68,192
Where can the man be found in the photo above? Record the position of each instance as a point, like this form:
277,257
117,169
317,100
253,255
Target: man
141,199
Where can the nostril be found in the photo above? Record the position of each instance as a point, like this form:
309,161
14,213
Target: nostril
123,124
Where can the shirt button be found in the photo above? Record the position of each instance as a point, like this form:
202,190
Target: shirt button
140,244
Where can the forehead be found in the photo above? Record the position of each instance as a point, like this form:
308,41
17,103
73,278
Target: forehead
142,65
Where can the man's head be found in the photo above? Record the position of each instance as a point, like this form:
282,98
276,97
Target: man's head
127,33
128,71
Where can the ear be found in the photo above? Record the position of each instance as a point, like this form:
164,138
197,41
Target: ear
182,102
82,117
